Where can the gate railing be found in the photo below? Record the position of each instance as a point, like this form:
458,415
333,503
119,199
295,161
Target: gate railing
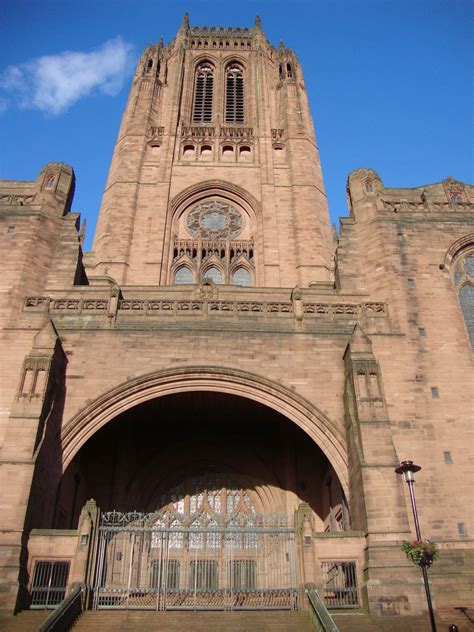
151,566
340,584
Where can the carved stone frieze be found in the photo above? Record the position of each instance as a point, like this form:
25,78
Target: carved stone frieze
16,200
150,306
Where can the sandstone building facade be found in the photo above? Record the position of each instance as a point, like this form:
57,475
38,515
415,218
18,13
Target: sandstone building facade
232,383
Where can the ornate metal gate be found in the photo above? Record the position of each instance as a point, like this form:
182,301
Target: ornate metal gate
220,561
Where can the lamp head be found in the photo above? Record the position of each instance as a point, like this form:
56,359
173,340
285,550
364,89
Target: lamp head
408,468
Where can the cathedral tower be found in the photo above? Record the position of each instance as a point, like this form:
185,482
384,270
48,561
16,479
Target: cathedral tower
216,171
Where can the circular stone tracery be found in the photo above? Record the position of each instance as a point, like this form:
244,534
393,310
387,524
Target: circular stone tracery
214,220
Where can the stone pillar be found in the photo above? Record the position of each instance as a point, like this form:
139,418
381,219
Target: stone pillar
85,559
376,496
304,525
36,405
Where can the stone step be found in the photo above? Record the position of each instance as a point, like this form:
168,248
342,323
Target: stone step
129,621
356,622
451,615
26,621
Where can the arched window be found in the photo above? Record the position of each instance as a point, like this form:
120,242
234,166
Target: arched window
213,239
234,94
203,88
183,275
464,280
214,274
241,276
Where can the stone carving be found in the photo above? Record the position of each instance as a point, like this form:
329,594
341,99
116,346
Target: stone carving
236,132
66,304
37,303
156,136
207,291
190,306
17,200
95,304
197,131
378,308
456,203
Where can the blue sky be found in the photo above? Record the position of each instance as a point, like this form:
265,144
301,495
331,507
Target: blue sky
390,82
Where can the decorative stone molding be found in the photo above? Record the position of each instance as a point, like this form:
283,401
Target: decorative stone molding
405,206
156,136
198,132
207,303
16,200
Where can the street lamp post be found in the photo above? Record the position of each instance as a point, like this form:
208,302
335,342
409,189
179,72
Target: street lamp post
408,468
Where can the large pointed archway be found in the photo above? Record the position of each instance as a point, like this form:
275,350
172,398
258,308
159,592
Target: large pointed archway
234,382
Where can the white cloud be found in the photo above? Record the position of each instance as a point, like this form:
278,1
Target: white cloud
55,82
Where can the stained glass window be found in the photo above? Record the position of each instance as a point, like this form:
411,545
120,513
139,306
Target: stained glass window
214,274
464,279
466,298
469,266
457,274
241,276
183,275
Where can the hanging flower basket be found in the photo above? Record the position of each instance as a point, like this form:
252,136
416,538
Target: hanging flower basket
421,552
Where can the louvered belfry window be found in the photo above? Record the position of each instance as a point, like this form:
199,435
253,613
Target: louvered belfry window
234,94
202,110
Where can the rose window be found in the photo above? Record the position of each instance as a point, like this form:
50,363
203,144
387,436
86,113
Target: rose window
214,221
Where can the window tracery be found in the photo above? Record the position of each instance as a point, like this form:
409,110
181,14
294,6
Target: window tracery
209,245
464,280
214,220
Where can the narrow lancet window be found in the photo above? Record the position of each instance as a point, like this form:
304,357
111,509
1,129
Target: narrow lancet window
203,89
234,94
464,280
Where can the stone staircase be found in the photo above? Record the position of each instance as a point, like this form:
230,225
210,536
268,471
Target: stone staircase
144,621
271,621
26,621
451,615
367,623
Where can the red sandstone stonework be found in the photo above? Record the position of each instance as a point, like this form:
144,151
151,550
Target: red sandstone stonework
338,361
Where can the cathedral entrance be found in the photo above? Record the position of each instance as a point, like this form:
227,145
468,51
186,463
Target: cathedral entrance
204,500
207,548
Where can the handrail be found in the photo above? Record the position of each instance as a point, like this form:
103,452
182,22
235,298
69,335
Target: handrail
319,609
62,617
465,612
